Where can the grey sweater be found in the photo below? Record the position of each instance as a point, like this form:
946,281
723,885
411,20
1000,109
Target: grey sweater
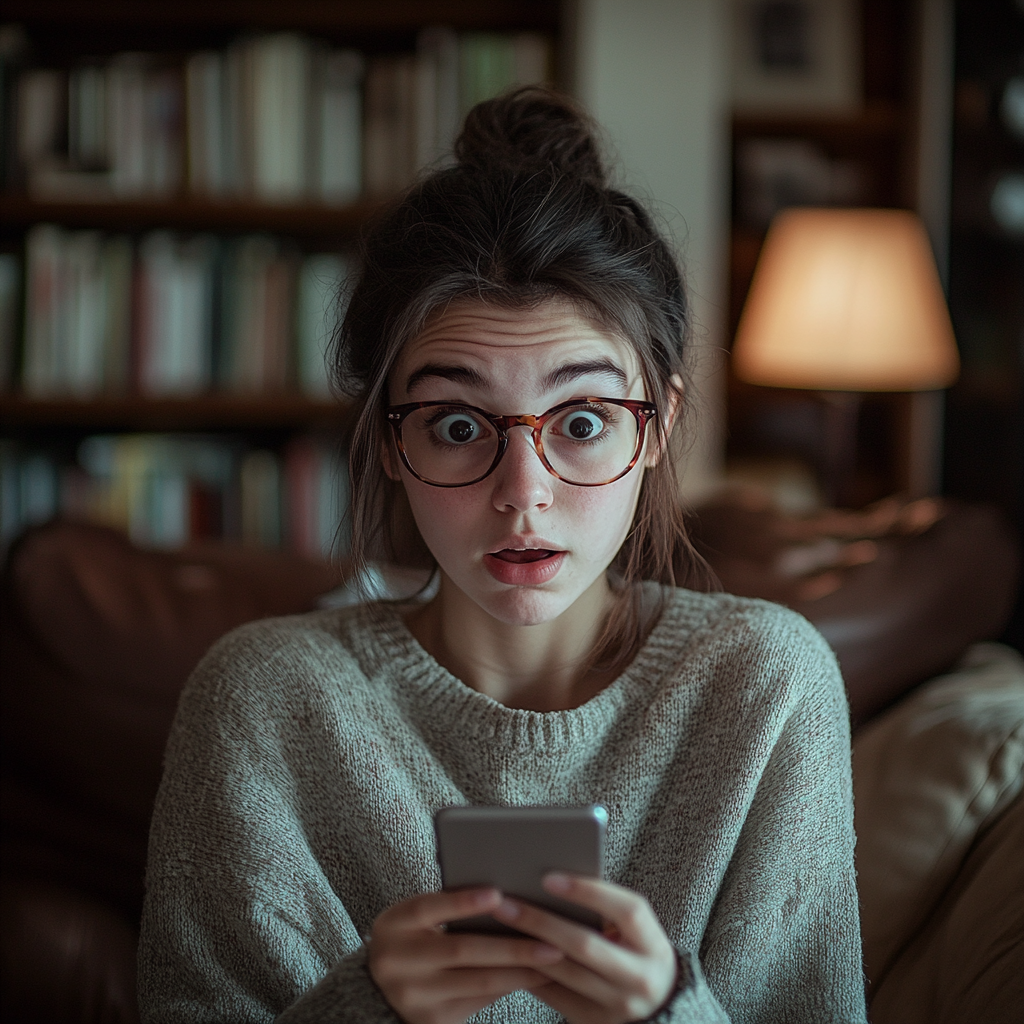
309,755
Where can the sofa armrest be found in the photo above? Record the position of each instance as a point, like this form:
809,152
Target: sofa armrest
64,957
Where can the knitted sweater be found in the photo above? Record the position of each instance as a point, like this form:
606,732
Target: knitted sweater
310,753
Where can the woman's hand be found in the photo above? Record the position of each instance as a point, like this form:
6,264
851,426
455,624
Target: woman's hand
624,975
431,977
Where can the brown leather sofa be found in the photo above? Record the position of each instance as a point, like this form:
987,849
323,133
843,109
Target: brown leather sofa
98,636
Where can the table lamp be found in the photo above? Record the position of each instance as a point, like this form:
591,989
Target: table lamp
848,301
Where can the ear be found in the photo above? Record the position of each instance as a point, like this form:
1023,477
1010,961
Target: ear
664,423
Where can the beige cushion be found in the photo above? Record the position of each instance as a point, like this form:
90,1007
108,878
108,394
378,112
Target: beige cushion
929,774
966,965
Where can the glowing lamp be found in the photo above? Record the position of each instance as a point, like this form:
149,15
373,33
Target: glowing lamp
847,301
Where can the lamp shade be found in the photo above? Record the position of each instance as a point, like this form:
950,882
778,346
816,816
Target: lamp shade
846,300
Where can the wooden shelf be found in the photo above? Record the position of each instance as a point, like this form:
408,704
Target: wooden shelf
206,412
876,122
309,15
298,220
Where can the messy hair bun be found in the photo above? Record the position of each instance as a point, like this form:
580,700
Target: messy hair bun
524,216
531,130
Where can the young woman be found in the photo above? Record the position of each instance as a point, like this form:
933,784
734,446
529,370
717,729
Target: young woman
517,348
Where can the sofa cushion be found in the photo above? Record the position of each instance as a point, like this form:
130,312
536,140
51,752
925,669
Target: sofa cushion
966,965
930,774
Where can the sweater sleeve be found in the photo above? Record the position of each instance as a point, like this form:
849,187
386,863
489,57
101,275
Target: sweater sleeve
240,922
783,939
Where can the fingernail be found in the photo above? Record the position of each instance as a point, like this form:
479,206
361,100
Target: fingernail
507,909
485,898
557,882
545,954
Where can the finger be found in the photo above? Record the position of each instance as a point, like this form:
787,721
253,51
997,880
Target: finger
473,982
584,945
436,908
487,951
628,911
584,981
569,1004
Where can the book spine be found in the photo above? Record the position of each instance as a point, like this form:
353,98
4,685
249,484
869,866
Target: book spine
10,292
281,72
238,117
117,284
260,484
43,249
302,497
163,131
204,104
85,313
339,136
127,124
378,126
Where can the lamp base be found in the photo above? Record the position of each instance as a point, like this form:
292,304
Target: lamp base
842,411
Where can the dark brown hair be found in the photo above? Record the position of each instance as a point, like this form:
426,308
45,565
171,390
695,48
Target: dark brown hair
525,215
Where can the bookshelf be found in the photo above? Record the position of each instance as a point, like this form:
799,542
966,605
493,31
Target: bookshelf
309,221
870,154
209,412
263,449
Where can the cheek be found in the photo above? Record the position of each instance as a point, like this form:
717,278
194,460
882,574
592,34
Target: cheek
601,515
440,511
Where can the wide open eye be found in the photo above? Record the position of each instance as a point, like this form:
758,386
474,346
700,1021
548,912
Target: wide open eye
458,428
581,425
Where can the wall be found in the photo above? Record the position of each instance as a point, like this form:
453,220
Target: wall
655,74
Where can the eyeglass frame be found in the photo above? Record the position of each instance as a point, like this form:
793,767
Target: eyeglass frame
643,412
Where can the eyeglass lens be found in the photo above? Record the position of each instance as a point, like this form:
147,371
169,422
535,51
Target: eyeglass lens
588,443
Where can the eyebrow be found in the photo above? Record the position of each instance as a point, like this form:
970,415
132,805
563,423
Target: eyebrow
558,377
456,374
573,371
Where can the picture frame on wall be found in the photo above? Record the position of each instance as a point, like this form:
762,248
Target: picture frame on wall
796,57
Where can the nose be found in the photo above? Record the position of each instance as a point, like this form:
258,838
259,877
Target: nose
521,481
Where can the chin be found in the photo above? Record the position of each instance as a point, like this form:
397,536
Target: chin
524,606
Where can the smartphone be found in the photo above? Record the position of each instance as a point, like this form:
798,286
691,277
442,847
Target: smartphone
512,848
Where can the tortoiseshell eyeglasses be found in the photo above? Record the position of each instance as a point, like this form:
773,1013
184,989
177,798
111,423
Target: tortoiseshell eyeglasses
587,442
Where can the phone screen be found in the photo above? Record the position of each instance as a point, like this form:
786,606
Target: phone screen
512,848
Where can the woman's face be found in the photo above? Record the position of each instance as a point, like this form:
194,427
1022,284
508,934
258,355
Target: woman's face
521,543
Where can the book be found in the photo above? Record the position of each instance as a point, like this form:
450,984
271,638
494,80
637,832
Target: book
83,316
260,484
117,266
205,106
486,67
41,116
281,67
10,302
126,85
322,296
254,324
88,119
338,134
40,374
389,132
162,131
237,116
175,326
438,111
